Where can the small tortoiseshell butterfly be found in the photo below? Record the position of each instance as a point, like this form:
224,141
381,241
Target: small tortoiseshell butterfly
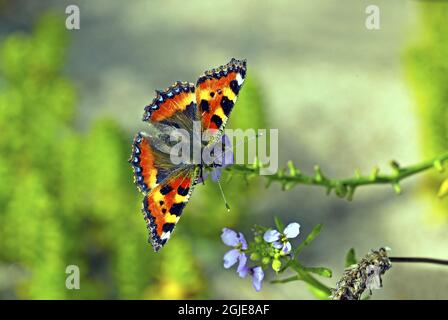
166,186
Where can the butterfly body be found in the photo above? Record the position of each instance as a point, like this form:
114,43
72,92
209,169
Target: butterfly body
166,185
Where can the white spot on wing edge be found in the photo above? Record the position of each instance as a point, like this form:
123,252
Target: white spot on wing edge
166,235
239,79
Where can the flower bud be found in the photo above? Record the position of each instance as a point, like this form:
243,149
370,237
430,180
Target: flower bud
255,256
276,265
266,260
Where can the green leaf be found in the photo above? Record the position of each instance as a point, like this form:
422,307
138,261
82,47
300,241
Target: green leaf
318,293
279,224
313,234
286,280
305,276
350,258
322,271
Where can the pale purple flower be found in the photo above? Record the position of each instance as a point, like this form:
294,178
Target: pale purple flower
239,244
257,276
280,239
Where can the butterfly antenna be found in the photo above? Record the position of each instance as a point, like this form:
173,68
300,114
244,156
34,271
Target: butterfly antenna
219,182
223,196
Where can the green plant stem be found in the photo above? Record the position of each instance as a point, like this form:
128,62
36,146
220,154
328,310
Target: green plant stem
303,275
345,188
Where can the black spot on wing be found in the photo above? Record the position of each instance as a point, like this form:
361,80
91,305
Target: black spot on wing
226,105
166,189
183,191
168,227
177,208
205,107
234,86
217,120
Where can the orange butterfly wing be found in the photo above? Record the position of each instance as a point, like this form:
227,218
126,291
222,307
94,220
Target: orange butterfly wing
180,97
217,91
163,206
142,160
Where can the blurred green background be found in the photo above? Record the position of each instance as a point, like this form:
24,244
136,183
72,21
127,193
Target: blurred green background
341,96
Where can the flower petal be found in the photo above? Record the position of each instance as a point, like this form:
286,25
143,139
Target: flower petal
226,141
230,258
242,268
292,230
230,237
271,236
277,245
228,158
244,271
223,151
257,278
243,241
286,247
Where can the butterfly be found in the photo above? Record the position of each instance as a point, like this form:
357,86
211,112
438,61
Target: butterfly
167,186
